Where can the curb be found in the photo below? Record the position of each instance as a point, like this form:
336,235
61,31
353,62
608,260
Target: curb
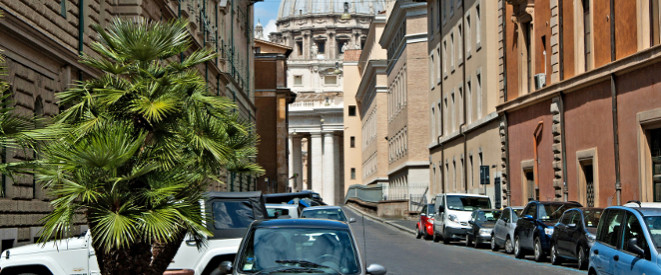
374,218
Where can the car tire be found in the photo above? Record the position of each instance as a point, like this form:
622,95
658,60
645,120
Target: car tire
582,258
539,252
476,243
418,234
446,240
469,242
518,251
436,238
494,246
555,259
509,247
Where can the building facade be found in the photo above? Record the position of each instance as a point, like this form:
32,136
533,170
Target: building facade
42,41
405,39
319,36
272,99
581,116
463,90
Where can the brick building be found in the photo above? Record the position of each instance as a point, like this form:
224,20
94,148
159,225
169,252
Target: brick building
580,105
42,41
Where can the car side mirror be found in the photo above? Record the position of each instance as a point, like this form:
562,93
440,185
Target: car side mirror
376,269
352,220
225,267
572,225
441,210
633,247
471,222
423,214
528,218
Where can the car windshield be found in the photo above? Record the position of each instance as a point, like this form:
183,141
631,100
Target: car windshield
466,203
553,212
488,216
299,250
329,214
277,212
592,217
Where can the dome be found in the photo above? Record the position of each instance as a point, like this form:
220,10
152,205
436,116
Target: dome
300,8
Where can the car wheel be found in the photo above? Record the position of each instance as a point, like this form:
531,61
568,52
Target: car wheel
494,246
476,243
539,253
436,238
509,248
582,258
418,234
518,251
446,240
554,255
469,242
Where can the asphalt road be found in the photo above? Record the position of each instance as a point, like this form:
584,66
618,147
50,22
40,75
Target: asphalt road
402,254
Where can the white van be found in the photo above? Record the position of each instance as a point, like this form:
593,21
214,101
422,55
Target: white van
453,211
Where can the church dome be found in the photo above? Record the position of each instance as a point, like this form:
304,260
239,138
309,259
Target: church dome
302,8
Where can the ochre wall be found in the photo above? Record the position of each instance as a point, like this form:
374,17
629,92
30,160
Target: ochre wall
588,124
542,29
626,39
512,52
521,125
568,39
601,34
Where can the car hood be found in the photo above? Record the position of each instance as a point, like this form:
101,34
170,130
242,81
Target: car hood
62,245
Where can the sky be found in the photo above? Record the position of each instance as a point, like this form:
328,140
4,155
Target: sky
267,12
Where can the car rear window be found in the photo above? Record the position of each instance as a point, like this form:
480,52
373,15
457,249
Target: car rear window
592,217
232,214
553,212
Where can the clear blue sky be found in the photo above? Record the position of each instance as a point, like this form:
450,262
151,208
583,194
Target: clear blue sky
266,11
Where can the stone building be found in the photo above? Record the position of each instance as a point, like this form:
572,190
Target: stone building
42,41
581,110
272,99
463,143
405,39
319,33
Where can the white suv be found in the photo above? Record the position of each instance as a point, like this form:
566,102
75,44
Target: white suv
453,211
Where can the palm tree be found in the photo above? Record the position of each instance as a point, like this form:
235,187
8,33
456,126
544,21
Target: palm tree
143,142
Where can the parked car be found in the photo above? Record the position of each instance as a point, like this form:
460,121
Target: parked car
574,234
453,211
628,241
482,222
503,231
282,210
326,212
425,225
231,213
535,227
299,246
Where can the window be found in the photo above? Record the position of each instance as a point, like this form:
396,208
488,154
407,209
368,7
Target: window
632,230
330,80
63,8
505,216
469,101
298,80
587,34
353,173
460,56
468,35
452,52
478,33
299,47
656,31
321,46
444,58
479,96
532,193
531,210
586,181
451,8
437,65
352,142
655,152
432,63
567,217
609,230
352,110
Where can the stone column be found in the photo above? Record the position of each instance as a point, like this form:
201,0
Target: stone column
290,161
316,164
329,169
297,163
339,179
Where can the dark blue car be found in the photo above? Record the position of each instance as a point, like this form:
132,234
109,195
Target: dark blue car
535,227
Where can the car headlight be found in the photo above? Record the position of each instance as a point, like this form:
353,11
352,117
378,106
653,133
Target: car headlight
548,231
485,231
452,217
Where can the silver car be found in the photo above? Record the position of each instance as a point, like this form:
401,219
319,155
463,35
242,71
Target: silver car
503,232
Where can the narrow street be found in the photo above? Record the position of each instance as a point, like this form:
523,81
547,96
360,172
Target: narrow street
402,254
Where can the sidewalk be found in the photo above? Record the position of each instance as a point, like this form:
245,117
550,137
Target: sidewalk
407,226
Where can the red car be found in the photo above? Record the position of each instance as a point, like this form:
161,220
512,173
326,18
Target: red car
425,225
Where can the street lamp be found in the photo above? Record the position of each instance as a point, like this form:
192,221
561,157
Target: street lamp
337,70
346,15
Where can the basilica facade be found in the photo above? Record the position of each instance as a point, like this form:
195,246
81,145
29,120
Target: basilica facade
320,32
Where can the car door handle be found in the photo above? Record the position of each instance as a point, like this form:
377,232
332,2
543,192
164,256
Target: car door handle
596,252
616,258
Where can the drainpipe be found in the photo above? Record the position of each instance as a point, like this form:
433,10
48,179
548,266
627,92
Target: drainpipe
507,162
616,143
81,30
564,146
561,52
463,99
536,135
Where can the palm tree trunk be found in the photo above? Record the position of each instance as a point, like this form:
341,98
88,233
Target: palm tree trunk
163,253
